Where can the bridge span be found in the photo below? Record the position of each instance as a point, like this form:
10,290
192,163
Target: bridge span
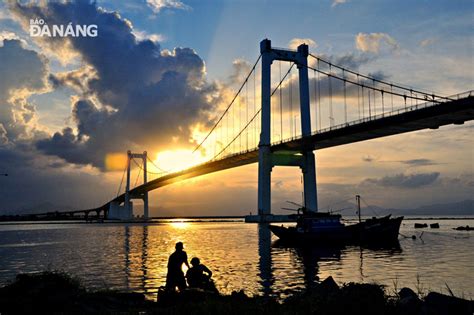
457,110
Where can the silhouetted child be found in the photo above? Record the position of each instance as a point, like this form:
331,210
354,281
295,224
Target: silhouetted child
198,275
175,277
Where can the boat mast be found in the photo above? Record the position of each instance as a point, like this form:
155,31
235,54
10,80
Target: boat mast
358,206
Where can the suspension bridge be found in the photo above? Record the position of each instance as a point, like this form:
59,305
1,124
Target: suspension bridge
290,104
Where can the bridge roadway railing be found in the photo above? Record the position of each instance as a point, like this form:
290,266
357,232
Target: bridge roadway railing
379,116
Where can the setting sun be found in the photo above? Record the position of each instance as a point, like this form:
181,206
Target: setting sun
177,160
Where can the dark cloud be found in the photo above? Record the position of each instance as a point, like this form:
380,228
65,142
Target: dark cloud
139,96
419,162
404,181
34,179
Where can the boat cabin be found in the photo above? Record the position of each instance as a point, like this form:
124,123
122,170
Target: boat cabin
319,221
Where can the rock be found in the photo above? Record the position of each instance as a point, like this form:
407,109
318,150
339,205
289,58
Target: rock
329,285
361,298
409,302
440,304
407,292
240,295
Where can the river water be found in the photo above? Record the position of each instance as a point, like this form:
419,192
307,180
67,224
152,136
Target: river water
242,256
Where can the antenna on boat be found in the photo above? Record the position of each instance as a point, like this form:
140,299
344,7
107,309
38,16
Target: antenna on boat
302,192
358,206
294,203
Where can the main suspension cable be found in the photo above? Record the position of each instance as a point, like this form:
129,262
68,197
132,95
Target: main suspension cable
230,104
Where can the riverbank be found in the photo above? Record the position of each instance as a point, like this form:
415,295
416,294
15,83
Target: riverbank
57,292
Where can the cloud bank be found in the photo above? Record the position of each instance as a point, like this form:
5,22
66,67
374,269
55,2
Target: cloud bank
131,93
404,181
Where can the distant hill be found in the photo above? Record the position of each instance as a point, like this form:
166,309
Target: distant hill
465,207
39,208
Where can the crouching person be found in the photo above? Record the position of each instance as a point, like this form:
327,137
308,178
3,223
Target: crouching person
199,276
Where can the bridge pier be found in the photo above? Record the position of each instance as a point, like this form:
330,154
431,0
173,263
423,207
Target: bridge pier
125,212
119,212
304,158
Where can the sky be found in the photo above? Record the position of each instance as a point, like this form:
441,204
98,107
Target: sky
160,72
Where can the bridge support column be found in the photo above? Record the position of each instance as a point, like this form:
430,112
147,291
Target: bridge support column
264,181
264,154
309,162
128,206
304,157
145,195
309,181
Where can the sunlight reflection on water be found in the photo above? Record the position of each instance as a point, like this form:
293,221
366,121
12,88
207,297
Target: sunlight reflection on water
241,256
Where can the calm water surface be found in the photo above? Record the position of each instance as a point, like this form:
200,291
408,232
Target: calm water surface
242,256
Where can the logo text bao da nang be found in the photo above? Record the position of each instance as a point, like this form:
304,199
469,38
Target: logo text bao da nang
38,28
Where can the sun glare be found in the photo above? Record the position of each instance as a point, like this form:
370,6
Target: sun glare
178,160
180,225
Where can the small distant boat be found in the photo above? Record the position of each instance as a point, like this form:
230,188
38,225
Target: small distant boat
325,227
434,225
464,228
420,225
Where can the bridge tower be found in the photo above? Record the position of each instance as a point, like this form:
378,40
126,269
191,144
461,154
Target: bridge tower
304,157
125,212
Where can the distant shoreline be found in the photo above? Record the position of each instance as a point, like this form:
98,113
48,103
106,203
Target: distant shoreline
199,219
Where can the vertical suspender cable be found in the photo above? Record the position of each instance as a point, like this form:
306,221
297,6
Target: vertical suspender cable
383,106
345,97
375,104
290,96
138,176
233,125
254,110
391,95
331,114
319,97
315,100
121,181
368,94
281,108
358,94
247,115
240,125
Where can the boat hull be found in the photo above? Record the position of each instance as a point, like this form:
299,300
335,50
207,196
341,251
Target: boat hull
373,231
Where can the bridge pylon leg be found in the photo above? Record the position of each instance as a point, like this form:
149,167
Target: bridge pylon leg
308,163
264,181
309,181
264,154
302,157
145,196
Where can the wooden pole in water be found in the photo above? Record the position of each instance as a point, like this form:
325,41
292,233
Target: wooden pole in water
358,206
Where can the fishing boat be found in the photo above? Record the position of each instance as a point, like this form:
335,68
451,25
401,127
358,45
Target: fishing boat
326,227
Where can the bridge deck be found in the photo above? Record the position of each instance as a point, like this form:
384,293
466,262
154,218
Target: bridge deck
411,119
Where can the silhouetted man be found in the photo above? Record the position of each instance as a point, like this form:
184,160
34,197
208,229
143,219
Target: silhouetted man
175,277
198,275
